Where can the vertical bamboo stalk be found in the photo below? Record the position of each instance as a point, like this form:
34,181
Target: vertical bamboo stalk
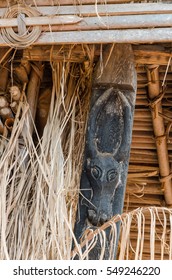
33,91
159,131
3,70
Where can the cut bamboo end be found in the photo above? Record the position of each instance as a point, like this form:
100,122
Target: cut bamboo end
9,124
14,106
15,93
21,74
6,113
26,64
3,102
1,127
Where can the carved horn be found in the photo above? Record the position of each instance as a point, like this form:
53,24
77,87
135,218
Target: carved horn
127,132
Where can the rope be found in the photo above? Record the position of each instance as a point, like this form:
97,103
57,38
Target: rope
165,178
18,41
153,103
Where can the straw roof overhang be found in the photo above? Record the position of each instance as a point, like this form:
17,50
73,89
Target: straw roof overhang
152,51
144,187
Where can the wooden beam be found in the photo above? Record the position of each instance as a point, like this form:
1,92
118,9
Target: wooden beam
73,53
118,66
4,3
72,23
105,36
39,21
108,22
144,54
103,10
151,54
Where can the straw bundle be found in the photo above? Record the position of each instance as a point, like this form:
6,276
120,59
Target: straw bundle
39,182
144,233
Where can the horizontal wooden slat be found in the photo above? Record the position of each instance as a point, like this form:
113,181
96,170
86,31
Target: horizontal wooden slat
4,3
85,9
105,36
73,23
39,21
147,189
73,53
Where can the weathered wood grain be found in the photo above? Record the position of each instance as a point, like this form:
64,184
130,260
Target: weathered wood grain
102,9
105,36
121,66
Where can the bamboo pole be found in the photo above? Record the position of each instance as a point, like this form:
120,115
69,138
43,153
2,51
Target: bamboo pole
62,2
33,91
42,20
92,23
159,131
104,36
4,54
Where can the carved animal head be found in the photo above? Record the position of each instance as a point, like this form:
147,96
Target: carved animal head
104,174
107,147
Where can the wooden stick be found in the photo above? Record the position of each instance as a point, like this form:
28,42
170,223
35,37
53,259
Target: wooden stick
1,127
106,36
57,3
39,21
159,131
93,23
4,69
33,91
102,10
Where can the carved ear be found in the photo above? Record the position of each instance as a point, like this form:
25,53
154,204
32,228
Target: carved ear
106,124
126,137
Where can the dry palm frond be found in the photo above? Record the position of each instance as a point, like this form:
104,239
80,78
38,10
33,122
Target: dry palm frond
145,234
39,182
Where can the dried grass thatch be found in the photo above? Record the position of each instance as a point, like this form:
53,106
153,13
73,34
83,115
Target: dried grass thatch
145,234
39,182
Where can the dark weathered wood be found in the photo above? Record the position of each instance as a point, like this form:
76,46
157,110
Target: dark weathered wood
108,141
155,54
4,72
73,53
33,92
121,66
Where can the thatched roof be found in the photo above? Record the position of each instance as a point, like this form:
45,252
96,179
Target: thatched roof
39,167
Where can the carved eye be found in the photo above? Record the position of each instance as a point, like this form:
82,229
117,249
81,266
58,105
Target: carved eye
96,172
111,175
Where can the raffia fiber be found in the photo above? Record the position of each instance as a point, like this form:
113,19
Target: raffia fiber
39,182
152,239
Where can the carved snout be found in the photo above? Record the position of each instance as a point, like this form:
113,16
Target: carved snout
99,218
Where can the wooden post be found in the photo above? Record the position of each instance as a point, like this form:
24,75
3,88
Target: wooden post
108,141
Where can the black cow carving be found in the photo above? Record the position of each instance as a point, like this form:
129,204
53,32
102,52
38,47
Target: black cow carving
108,141
106,157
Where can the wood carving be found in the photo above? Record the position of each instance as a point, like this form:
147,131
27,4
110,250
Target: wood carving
107,150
